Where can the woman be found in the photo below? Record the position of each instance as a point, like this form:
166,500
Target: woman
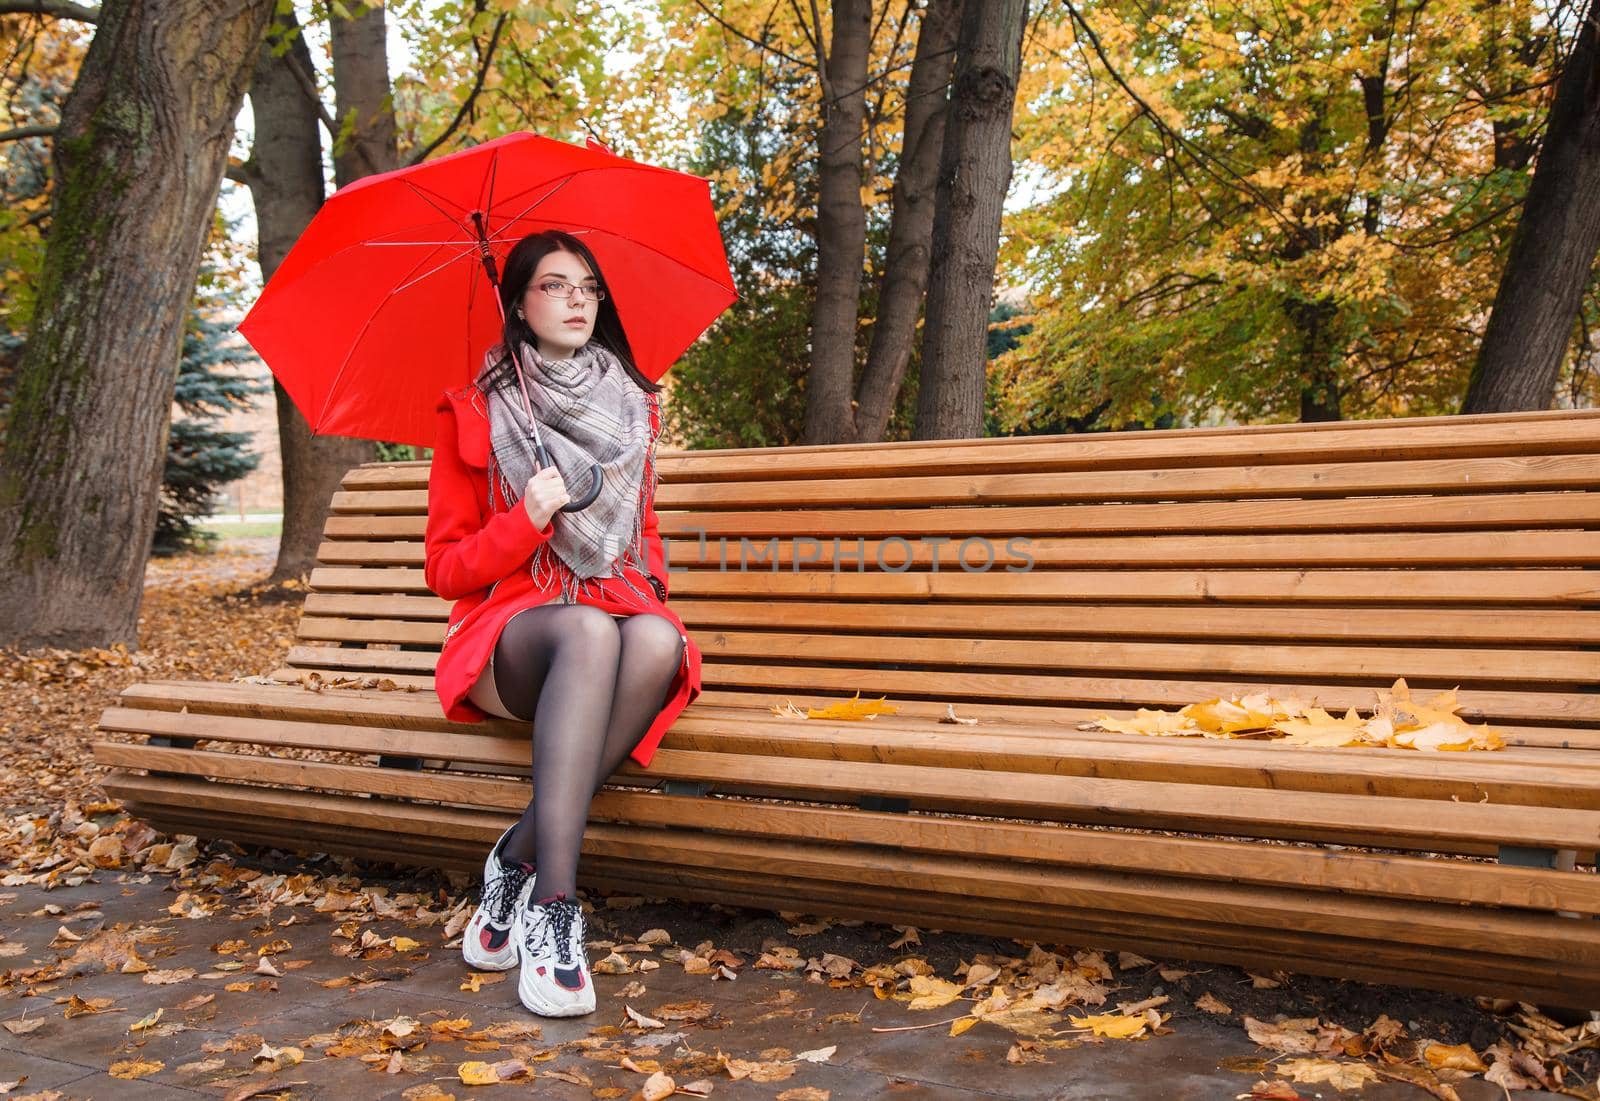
560,618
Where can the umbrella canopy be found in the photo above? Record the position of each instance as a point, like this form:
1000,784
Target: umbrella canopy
383,303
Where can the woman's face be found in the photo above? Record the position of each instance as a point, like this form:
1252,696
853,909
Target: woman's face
561,325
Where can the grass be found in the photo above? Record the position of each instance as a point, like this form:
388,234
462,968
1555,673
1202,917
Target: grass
246,531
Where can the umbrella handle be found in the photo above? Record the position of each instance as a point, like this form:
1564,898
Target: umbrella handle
595,476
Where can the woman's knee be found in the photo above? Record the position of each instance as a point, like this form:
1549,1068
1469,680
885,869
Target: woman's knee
656,636
591,629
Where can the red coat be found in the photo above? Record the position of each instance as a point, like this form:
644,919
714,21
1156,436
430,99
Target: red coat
480,559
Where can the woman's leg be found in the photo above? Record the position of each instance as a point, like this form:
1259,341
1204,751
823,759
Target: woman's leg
556,663
651,653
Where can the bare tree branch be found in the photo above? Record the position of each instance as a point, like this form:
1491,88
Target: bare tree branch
760,44
466,106
61,9
27,132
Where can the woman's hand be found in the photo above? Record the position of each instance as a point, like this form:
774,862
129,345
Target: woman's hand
544,496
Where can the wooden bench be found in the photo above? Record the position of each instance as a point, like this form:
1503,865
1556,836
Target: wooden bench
1167,567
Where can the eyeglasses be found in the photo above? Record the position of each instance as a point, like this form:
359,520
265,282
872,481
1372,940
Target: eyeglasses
557,288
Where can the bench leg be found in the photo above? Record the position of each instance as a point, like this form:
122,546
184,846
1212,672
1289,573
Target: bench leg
409,764
1563,860
171,742
683,787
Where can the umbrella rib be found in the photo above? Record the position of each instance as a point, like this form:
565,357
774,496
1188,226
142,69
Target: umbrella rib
409,283
355,343
428,198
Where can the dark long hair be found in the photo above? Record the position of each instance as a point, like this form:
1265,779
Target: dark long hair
520,265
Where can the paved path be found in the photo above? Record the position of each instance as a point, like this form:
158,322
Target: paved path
208,1049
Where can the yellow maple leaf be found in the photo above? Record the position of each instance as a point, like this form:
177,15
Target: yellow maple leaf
931,993
477,1074
1112,1025
135,1068
853,708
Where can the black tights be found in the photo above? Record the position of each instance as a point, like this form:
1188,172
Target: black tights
591,685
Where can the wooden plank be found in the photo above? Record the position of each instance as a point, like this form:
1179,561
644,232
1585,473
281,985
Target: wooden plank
1475,666
496,746
1324,480
1179,448
1376,587
875,488
1035,925
1123,693
1072,699
1474,777
341,659
1422,924
1194,904
1023,557
1406,823
1542,433
1201,658
1507,510
368,580
1547,626
1378,874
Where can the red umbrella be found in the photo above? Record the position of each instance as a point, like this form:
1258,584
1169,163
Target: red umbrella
384,303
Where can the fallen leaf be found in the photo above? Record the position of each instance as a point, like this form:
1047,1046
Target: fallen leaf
641,1020
1454,1056
166,978
1112,1025
1291,1041
135,1068
1341,1076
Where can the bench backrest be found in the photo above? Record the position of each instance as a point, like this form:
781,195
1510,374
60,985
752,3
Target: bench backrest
1162,568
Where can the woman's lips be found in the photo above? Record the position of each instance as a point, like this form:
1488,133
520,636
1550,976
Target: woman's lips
576,324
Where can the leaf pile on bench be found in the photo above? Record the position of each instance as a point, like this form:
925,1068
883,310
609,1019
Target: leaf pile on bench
1396,722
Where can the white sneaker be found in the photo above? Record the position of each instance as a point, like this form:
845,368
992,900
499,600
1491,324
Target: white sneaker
555,980
492,939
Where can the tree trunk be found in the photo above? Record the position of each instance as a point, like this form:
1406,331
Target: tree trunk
974,172
906,264
1552,251
362,100
139,157
285,179
841,227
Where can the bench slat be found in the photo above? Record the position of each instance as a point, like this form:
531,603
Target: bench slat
1378,874
1513,548
1401,823
1248,765
1376,587
1485,512
1506,936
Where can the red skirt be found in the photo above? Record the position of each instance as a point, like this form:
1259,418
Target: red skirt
472,640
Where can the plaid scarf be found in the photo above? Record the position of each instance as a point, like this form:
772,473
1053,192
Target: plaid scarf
590,411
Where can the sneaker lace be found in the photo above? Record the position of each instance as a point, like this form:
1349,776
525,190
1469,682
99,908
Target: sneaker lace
500,896
564,915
